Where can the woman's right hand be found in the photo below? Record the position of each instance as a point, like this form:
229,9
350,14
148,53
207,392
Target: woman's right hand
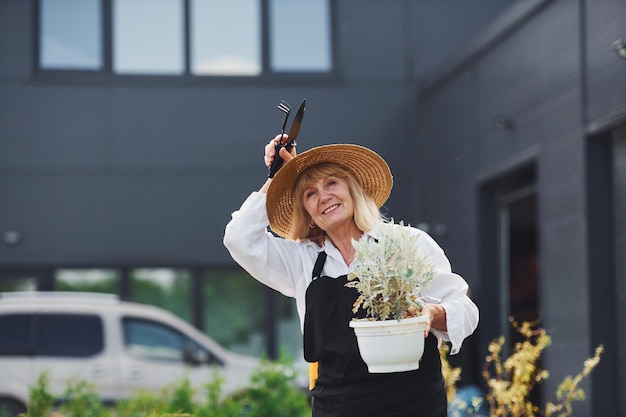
270,150
270,154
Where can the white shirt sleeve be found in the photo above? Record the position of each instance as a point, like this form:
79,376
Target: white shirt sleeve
449,290
266,257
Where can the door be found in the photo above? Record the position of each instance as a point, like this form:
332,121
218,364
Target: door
519,259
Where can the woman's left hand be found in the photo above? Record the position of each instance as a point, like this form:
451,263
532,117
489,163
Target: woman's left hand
435,316
429,313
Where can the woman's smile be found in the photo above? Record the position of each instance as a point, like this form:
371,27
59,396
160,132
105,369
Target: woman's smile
331,208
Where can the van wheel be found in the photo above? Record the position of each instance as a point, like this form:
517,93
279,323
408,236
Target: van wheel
11,408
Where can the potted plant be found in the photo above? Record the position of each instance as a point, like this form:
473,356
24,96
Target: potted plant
390,273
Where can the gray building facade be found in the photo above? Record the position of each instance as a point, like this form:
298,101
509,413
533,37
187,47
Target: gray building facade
504,124
525,137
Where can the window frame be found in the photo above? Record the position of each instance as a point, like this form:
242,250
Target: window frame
107,75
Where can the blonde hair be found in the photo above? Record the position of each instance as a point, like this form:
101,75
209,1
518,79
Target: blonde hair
366,213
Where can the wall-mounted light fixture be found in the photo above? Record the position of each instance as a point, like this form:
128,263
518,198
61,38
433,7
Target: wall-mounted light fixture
620,48
12,237
501,122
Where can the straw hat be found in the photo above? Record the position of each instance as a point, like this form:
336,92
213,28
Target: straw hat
369,169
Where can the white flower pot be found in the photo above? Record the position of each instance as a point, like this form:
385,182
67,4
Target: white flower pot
390,345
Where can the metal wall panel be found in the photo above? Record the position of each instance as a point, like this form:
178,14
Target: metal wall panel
606,94
521,79
16,39
444,172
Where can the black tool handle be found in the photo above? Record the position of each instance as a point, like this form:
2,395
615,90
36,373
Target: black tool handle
278,161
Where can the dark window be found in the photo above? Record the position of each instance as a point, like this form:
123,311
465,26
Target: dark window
15,334
69,335
65,335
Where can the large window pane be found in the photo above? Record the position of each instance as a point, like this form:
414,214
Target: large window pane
225,37
87,280
300,36
163,287
18,283
234,297
148,36
71,34
288,328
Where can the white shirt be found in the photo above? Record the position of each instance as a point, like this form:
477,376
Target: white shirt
286,266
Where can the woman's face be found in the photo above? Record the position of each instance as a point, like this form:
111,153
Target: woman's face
329,203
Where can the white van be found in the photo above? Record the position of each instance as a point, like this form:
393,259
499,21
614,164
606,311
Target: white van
117,346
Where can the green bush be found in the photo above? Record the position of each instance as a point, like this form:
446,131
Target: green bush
81,400
271,393
41,401
180,398
216,404
141,404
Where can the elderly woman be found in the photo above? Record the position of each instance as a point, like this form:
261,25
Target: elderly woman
317,203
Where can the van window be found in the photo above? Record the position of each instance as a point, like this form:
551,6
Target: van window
150,340
60,335
155,341
15,334
69,335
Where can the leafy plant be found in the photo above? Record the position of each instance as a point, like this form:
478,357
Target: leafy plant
177,399
391,272
217,405
141,404
272,393
180,397
81,400
41,401
511,380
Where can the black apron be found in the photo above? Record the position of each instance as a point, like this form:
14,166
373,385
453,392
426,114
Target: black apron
344,387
